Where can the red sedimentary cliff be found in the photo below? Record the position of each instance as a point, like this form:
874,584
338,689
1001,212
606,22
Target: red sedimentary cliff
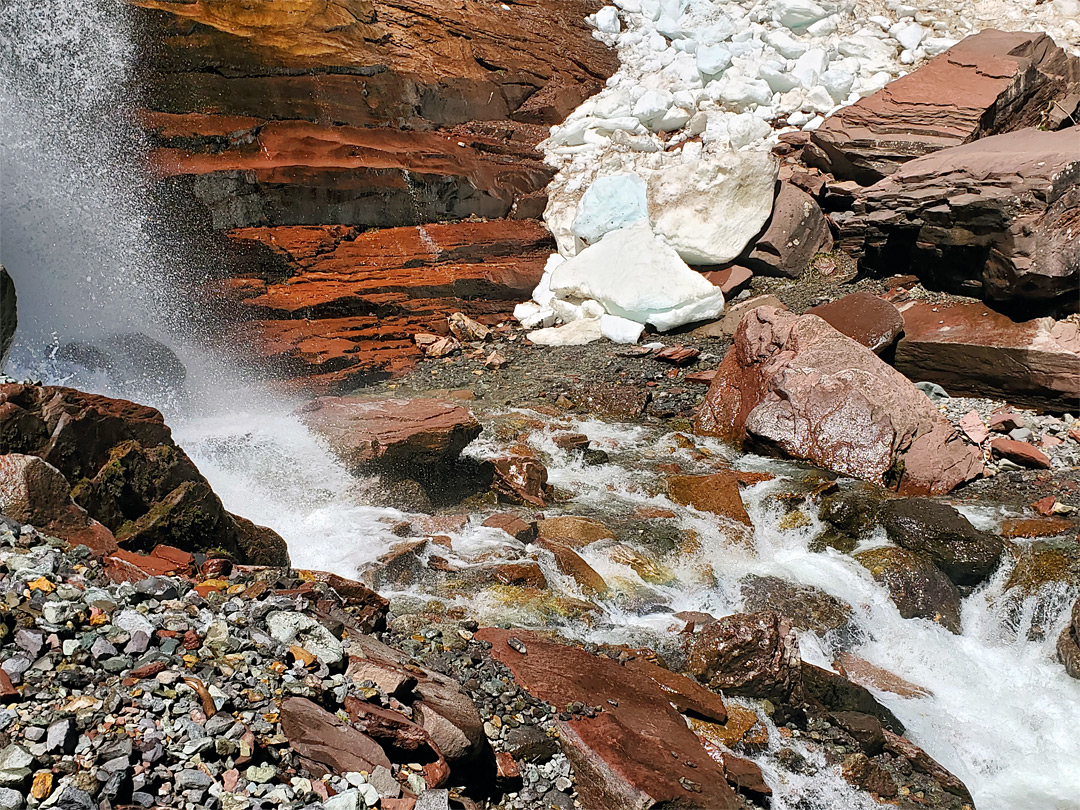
297,126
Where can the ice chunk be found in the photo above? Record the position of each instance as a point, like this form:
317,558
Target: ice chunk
909,35
608,204
838,82
710,209
746,129
620,330
712,60
786,45
740,92
652,106
577,333
607,20
637,277
797,14
777,76
809,67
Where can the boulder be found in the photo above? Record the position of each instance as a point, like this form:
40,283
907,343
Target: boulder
965,554
919,589
620,272
35,492
573,565
398,433
730,278
866,318
710,209
992,82
717,493
130,474
751,654
794,385
991,219
623,755
9,315
968,348
796,232
520,479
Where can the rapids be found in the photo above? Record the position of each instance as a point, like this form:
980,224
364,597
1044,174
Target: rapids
1002,714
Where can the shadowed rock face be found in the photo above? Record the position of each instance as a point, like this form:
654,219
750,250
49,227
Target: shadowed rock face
291,125
8,314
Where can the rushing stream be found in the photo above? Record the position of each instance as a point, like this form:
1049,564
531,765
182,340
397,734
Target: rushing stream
1001,713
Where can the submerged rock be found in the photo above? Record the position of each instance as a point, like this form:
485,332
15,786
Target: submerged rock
794,385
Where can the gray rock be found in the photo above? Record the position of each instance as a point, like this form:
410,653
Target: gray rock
10,799
385,783
15,763
191,779
346,800
132,621
290,627
433,800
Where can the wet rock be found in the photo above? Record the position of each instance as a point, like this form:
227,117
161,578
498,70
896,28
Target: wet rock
573,530
835,693
866,318
33,491
392,433
1020,453
793,385
571,564
9,316
991,82
717,493
931,219
918,587
853,511
751,654
922,762
622,754
936,530
970,349
864,773
1068,645
686,695
806,608
796,232
522,574
520,479
868,675
325,743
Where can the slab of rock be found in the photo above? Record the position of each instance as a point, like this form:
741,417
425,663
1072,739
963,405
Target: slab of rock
717,493
918,587
796,232
710,209
573,530
730,278
992,82
623,756
971,349
35,492
793,385
1022,453
872,321
573,565
9,316
805,607
109,446
751,654
325,743
965,554
391,432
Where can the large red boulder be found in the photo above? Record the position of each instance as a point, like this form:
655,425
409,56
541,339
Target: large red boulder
391,432
992,82
968,348
791,384
752,654
637,750
128,473
872,321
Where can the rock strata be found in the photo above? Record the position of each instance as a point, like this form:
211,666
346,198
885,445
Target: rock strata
794,385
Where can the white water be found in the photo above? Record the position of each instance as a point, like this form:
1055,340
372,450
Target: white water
1003,716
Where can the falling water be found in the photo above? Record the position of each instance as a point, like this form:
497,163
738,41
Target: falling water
418,214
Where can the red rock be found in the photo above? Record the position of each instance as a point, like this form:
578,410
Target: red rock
991,82
1006,421
795,233
726,326
752,654
1045,506
730,278
325,743
391,431
678,355
1022,453
571,442
513,526
869,676
794,384
521,574
929,218
366,608
700,377
688,696
872,321
398,735
405,803
972,425
520,479
922,762
1074,434
148,670
573,530
33,491
8,692
717,493
619,400
623,756
505,767
745,775
573,565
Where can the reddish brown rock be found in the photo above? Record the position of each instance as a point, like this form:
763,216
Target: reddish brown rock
513,526
795,233
678,355
924,763
717,493
399,736
8,692
325,743
1068,645
730,278
623,756
571,442
520,479
1022,453
751,654
866,318
520,574
391,432
970,349
109,446
726,326
619,400
573,565
989,83
688,697
33,491
867,675
794,385
573,530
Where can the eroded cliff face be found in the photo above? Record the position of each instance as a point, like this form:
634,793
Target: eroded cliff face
282,114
